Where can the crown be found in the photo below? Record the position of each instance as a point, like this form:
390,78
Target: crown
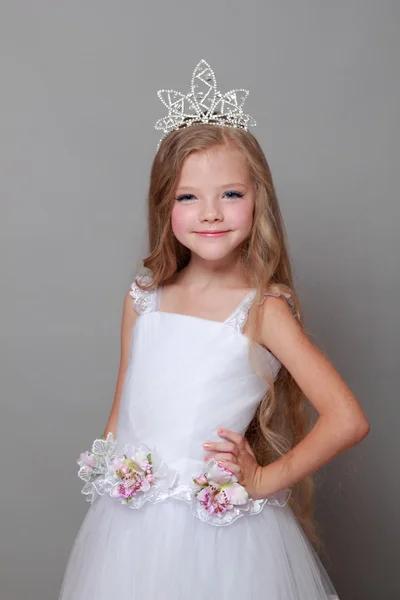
204,104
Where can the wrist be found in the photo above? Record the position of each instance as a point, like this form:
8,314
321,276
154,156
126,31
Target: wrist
260,489
268,481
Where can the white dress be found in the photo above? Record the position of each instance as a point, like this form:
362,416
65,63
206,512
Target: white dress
186,377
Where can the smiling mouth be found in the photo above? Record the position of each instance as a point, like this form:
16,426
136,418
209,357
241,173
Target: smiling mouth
210,233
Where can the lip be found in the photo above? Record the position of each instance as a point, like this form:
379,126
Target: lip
212,233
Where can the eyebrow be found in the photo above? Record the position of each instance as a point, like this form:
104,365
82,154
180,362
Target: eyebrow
226,185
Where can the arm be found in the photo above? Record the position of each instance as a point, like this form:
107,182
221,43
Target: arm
341,423
128,320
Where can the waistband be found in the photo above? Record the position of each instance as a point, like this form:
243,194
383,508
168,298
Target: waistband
139,475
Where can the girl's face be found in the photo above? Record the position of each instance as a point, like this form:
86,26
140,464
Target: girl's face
214,203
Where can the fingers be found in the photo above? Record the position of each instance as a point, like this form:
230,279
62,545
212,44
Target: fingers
233,467
220,447
232,454
222,456
234,440
228,453
232,436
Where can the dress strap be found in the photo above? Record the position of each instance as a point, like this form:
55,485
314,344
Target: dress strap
144,301
285,295
238,318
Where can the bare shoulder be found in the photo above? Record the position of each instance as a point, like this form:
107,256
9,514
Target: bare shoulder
280,331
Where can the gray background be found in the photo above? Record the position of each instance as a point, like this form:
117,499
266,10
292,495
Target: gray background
78,104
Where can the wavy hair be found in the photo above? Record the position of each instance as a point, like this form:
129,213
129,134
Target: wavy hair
284,416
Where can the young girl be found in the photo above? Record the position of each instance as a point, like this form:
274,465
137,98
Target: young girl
201,485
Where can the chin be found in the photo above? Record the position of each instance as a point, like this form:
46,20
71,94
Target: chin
212,255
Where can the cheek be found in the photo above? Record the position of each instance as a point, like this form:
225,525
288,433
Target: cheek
242,215
180,220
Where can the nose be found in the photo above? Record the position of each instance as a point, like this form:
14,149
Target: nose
210,211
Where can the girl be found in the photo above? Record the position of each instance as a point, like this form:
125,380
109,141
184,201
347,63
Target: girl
201,486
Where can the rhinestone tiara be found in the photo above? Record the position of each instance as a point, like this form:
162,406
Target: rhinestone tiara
204,104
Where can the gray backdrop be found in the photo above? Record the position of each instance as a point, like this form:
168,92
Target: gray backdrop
78,104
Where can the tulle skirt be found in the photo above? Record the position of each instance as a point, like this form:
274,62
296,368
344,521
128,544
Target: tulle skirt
163,552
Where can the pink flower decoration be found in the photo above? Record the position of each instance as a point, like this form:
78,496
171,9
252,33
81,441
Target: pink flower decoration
131,473
219,489
214,500
137,469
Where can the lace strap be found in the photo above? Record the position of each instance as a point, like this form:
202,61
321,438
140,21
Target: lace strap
144,301
238,318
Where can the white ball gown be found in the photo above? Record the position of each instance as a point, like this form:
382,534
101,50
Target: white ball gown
186,377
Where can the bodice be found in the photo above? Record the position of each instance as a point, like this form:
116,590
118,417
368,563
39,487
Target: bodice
188,376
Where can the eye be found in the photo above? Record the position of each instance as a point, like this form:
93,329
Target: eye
231,194
235,195
184,197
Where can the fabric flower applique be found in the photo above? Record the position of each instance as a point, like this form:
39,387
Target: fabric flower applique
135,476
94,465
219,490
130,473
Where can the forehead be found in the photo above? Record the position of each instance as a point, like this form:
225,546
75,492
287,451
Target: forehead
220,163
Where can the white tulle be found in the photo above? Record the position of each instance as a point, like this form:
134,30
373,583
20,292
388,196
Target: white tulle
187,377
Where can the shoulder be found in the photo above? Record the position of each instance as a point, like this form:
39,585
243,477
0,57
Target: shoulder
280,326
280,299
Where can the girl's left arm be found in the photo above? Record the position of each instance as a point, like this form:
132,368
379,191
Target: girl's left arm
341,423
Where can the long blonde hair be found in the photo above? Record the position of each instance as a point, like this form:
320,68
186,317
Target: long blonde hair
283,417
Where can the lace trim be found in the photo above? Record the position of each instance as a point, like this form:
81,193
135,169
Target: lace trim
253,507
238,319
98,470
144,301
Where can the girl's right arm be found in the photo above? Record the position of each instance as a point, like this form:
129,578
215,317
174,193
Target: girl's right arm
128,320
